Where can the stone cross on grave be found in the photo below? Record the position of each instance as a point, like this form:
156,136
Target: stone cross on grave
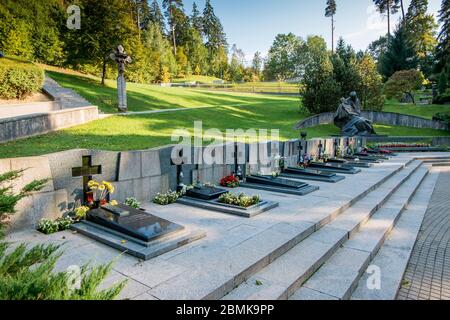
121,57
87,170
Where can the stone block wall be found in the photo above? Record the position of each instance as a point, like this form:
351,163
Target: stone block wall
35,124
388,118
140,174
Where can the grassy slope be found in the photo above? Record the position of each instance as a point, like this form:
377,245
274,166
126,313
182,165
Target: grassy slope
143,97
234,111
423,111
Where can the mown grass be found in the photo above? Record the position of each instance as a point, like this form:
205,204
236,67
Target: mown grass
231,111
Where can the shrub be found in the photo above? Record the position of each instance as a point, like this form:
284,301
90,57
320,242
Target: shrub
443,83
9,199
444,117
240,200
27,273
19,79
442,99
133,203
401,82
165,199
48,226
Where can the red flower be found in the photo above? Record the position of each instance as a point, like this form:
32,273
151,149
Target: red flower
230,182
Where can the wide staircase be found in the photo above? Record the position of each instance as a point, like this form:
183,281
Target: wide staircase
331,262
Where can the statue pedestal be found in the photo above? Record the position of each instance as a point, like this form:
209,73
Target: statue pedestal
122,94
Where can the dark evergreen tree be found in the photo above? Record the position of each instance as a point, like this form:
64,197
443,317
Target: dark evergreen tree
216,41
177,20
400,54
196,19
378,47
330,12
443,49
155,15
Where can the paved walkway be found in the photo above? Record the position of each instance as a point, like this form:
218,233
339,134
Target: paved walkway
427,276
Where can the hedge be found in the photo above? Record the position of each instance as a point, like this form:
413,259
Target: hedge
442,99
19,79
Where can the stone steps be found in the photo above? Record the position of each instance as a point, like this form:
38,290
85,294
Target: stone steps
214,271
339,276
282,277
393,257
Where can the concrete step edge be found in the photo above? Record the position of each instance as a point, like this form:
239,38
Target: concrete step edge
416,166
345,252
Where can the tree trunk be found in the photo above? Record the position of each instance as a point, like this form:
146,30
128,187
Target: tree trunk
389,20
332,34
104,71
174,40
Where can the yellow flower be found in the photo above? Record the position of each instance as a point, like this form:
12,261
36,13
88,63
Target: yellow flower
101,187
114,203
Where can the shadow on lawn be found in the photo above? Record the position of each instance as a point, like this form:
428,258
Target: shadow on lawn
142,97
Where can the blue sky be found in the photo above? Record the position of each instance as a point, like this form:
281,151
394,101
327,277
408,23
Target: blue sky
253,24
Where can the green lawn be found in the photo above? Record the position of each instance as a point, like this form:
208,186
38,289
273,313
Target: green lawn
148,131
143,97
233,111
423,111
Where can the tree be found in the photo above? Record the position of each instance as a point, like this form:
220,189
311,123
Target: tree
155,16
159,52
378,47
282,59
330,12
106,24
345,69
403,83
443,48
31,29
371,86
196,52
400,54
216,41
196,19
421,31
387,7
257,64
320,92
177,20
442,83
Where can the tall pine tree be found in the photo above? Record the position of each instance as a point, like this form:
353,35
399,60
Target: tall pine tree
216,41
196,19
387,7
155,15
443,49
330,12
174,11
400,54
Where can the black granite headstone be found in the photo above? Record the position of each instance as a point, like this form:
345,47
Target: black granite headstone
137,224
205,192
276,182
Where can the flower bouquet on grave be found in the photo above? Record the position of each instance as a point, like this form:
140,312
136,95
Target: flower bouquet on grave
230,182
101,192
305,160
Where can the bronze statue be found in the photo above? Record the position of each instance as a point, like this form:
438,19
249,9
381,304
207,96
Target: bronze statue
348,118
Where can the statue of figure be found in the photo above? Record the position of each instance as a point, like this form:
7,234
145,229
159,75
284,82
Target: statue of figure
121,57
348,118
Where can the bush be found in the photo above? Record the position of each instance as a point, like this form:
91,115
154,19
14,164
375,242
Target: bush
48,226
240,200
444,117
401,82
133,203
19,79
165,199
442,99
